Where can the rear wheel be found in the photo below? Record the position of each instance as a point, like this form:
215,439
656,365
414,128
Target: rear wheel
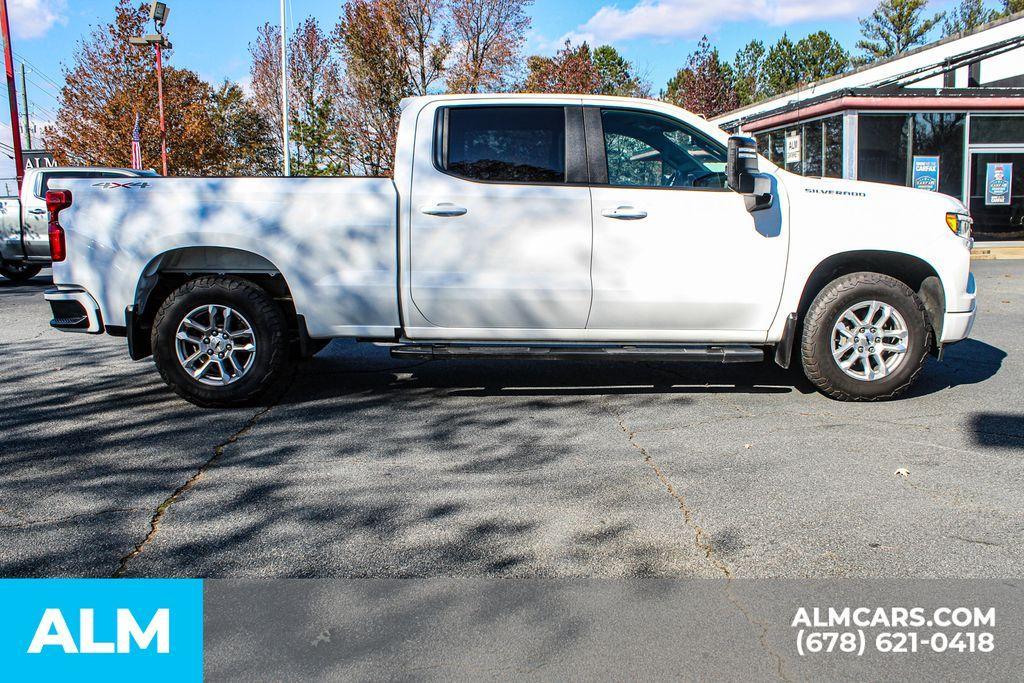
220,342
19,271
866,337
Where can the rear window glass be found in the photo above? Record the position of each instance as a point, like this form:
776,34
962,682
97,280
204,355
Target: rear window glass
506,144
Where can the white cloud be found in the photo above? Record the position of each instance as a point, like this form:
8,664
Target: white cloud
686,19
33,18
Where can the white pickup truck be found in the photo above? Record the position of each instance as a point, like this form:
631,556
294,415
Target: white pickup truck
24,245
521,226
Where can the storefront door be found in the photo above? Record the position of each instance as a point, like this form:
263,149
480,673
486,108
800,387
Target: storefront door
996,196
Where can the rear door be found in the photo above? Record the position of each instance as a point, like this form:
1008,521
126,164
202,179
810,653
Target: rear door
500,241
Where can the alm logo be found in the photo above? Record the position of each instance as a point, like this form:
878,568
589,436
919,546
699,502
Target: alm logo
53,632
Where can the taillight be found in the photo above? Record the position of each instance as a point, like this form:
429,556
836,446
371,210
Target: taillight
57,201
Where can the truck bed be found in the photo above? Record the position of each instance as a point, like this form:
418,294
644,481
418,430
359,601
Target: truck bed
333,240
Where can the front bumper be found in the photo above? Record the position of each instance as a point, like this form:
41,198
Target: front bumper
74,310
957,325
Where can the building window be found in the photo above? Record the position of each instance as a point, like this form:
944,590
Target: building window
833,145
764,145
778,148
812,149
942,135
883,143
989,130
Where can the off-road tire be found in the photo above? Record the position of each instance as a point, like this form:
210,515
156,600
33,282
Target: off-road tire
816,342
19,271
273,365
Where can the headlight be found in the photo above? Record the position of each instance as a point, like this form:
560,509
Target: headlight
960,224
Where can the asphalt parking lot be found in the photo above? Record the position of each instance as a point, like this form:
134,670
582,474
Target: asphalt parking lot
371,467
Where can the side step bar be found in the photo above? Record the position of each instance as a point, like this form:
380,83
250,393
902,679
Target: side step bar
621,352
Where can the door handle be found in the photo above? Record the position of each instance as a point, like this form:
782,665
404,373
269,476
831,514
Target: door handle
443,209
37,212
625,213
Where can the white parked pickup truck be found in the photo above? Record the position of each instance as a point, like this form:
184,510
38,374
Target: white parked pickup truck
520,226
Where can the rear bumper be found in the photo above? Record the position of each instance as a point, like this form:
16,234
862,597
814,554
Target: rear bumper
74,310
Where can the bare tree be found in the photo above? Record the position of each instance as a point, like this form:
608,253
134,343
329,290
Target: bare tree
421,29
265,75
489,35
376,80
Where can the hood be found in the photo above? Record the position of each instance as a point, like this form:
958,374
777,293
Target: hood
878,194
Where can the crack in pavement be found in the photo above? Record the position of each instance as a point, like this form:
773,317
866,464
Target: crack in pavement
702,541
218,451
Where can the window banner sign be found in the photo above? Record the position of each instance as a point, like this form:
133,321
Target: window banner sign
998,180
926,173
101,629
793,149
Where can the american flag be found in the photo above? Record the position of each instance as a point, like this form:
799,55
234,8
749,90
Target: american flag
137,146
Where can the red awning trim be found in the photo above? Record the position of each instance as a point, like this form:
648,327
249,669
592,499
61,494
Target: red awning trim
885,103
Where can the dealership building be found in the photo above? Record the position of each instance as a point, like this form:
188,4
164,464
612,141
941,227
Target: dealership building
946,117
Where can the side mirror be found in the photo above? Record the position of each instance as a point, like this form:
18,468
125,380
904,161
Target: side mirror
742,175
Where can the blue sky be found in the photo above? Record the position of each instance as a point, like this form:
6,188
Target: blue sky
212,36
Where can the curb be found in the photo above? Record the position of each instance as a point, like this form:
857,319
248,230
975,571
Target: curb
997,253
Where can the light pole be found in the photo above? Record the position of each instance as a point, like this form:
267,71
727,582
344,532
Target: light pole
284,93
158,13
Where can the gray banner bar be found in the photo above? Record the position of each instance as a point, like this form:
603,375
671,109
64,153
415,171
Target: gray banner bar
412,629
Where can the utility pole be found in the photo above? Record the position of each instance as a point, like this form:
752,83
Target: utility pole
284,94
24,104
12,93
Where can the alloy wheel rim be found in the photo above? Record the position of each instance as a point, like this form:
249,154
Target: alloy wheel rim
869,340
215,345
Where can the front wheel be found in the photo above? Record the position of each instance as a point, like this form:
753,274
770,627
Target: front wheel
866,337
221,342
19,271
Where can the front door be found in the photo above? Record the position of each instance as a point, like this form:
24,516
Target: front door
676,253
997,194
500,223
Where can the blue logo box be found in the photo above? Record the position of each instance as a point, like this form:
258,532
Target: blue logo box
85,629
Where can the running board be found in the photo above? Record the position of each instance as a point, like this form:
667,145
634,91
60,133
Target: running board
625,352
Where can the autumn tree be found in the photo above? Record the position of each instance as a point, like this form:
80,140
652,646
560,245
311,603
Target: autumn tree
421,30
894,27
571,70
580,70
489,35
109,82
244,141
265,80
105,86
319,127
376,80
704,86
967,16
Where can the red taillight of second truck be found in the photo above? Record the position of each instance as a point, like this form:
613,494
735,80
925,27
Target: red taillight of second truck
57,201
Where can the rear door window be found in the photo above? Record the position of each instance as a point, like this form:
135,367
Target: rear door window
505,144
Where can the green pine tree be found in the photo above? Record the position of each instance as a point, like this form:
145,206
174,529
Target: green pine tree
895,27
